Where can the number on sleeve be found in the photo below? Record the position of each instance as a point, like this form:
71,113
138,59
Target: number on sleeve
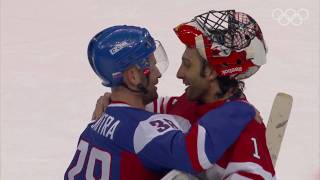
163,124
255,154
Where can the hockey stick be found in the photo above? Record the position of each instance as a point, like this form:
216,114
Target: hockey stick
277,123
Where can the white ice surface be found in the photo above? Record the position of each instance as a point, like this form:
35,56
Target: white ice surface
48,90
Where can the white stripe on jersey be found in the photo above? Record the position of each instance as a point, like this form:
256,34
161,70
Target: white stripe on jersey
202,156
250,167
159,101
118,105
174,101
150,107
155,126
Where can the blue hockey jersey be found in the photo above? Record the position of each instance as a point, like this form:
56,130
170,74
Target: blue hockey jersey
131,143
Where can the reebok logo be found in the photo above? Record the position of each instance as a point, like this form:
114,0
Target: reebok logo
232,70
118,47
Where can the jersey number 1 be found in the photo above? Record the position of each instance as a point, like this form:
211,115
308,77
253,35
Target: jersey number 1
255,154
95,154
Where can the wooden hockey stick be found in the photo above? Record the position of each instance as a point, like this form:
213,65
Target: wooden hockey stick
277,123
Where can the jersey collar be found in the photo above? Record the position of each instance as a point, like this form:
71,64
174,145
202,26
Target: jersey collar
118,104
204,108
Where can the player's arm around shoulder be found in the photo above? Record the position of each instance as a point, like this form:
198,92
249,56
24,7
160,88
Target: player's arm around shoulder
155,126
160,139
250,156
217,130
227,121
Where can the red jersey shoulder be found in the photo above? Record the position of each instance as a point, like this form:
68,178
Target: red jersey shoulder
181,106
249,149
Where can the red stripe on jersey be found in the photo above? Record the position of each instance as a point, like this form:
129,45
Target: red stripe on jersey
251,176
171,104
118,102
192,148
161,106
155,102
132,168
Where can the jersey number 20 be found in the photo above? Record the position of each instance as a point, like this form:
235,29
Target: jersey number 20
94,154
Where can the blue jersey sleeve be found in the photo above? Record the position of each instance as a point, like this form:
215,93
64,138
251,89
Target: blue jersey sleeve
220,128
167,142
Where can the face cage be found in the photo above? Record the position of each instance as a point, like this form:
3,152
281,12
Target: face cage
231,29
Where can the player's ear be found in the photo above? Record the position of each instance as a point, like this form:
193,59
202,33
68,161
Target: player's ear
132,76
209,73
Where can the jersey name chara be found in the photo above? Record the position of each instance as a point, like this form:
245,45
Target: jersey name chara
106,126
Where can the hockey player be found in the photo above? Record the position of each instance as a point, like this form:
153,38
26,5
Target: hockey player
222,47
128,142
124,58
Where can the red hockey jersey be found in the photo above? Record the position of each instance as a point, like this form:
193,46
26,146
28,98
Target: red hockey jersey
247,158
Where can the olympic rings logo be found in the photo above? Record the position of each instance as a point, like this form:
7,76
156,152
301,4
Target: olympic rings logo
290,16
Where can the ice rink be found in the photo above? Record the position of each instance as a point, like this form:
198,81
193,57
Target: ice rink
48,90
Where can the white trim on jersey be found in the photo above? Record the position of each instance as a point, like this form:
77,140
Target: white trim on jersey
159,101
174,101
202,156
150,107
153,127
118,105
250,167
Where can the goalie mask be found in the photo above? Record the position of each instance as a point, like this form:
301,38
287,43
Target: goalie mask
230,41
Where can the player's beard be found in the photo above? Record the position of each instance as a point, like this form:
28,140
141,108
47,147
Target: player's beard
150,95
150,86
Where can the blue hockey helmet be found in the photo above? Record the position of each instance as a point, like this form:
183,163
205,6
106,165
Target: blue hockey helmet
115,49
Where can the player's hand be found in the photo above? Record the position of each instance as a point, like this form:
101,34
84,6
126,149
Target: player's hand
101,105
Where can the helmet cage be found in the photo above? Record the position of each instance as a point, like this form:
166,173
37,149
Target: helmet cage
231,41
228,28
